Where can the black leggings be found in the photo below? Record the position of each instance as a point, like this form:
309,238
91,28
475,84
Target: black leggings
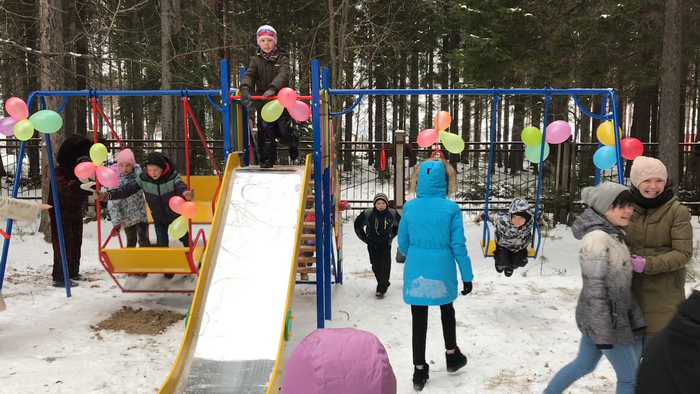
420,330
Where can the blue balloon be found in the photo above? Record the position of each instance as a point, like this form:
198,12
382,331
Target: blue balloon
605,157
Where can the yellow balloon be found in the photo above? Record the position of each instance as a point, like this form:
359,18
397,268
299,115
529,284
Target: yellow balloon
453,143
272,111
24,130
98,154
178,228
606,133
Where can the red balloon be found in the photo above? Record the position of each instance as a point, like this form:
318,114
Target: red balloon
176,203
382,162
631,148
427,138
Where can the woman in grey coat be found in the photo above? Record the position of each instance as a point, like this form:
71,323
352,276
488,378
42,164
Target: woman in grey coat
607,312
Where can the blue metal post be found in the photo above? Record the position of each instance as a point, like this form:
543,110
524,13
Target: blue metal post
56,207
618,150
494,119
318,193
226,109
603,111
536,227
327,209
246,126
8,228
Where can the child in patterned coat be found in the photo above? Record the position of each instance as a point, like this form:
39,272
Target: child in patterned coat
129,213
513,235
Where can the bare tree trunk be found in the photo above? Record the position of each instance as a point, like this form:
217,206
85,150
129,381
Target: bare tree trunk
670,88
81,65
167,108
52,78
414,108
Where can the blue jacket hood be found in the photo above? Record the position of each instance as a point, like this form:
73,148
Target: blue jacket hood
432,180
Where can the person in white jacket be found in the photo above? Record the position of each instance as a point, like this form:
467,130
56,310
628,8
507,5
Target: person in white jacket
23,210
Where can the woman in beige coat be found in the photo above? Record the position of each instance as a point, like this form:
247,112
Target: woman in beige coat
660,239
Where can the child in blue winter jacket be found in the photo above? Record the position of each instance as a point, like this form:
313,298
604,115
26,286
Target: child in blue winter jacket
129,213
431,236
513,235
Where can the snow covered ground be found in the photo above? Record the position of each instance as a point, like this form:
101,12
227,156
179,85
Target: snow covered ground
517,332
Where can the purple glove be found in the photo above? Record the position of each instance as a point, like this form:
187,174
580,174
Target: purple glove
638,263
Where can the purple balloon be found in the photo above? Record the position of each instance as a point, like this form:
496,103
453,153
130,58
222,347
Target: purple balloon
558,132
7,126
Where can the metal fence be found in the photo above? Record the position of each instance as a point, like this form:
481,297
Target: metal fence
566,171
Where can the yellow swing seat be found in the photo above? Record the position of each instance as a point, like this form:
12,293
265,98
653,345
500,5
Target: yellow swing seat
152,260
488,252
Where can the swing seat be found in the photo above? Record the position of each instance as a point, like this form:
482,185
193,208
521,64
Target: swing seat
204,189
153,260
488,252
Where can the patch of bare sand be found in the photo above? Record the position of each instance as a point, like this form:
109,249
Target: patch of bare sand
139,321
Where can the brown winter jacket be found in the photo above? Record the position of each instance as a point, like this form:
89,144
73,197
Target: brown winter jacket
263,74
664,237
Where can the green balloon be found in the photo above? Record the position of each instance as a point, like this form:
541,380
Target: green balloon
178,228
47,121
272,111
531,136
533,152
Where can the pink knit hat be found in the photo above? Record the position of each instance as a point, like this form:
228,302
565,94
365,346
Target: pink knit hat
126,156
645,168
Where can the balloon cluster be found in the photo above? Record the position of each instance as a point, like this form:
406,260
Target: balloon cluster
441,121
98,154
22,126
556,133
187,210
606,157
286,98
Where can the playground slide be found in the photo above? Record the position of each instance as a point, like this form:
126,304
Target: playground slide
239,322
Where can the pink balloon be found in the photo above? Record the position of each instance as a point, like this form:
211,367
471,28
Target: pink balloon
176,203
558,132
107,176
7,126
427,138
84,169
287,97
299,111
17,108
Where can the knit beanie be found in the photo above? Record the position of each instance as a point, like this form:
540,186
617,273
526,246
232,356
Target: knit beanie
126,156
380,196
157,159
601,197
645,168
267,31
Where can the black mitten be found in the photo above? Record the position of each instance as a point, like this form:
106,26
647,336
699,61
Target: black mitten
467,288
245,97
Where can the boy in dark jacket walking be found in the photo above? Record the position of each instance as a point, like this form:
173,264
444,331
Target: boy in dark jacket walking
266,75
160,182
377,227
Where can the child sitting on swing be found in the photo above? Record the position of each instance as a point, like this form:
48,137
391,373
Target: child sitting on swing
513,235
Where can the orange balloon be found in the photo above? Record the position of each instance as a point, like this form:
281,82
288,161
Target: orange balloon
442,120
189,209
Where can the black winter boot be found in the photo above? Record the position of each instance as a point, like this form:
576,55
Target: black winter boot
455,361
420,376
508,272
61,283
